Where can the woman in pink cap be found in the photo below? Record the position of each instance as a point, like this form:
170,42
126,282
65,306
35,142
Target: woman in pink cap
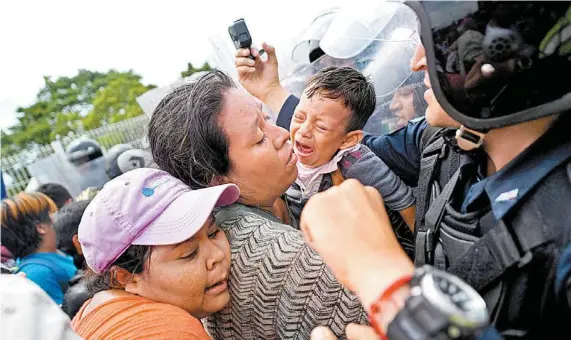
159,262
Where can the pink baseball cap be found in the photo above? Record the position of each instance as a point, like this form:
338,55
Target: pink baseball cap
145,207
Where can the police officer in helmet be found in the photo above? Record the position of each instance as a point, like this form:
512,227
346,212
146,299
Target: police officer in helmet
86,155
491,162
123,157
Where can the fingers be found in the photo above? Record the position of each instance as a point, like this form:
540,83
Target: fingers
322,333
360,332
271,52
245,70
241,61
243,53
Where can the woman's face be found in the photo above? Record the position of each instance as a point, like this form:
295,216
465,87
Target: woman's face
262,162
435,114
402,105
191,275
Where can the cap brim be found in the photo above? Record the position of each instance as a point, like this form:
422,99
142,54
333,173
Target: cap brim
186,215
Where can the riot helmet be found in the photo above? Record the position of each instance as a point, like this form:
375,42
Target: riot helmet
134,159
86,155
307,49
516,58
123,157
112,155
377,39
83,150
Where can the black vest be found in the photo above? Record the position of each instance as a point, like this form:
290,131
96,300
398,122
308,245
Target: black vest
513,264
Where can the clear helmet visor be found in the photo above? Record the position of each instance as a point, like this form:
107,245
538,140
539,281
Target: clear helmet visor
378,40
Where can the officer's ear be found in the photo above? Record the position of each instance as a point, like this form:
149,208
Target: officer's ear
351,139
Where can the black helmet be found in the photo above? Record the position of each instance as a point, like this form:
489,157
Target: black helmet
516,58
112,155
83,150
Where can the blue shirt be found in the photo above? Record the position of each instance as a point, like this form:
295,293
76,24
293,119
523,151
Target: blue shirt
50,271
2,187
506,188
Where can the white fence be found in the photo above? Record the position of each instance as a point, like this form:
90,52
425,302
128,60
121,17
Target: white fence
16,168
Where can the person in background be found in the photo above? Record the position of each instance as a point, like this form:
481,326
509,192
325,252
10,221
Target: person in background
66,226
28,232
123,157
408,102
158,262
58,193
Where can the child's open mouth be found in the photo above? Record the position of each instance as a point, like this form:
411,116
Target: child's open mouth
302,149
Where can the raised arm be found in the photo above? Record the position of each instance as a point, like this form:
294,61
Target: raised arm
260,76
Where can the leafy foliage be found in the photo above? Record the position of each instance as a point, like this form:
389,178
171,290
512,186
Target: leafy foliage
86,100
191,69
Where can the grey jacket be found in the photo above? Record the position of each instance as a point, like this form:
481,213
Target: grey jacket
280,288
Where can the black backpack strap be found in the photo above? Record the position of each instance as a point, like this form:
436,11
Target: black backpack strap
425,238
427,135
511,242
433,149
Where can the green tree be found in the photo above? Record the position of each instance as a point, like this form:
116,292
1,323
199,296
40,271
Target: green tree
191,69
63,105
116,101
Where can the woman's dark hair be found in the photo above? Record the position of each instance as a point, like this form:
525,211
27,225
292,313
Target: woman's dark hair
185,137
20,218
132,260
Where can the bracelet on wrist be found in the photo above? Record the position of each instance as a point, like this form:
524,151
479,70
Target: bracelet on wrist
386,296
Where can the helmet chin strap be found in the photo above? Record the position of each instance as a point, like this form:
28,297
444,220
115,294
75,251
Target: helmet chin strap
468,139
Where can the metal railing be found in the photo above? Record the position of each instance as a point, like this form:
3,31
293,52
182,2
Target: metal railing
14,168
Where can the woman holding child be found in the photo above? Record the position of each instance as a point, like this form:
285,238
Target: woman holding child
209,133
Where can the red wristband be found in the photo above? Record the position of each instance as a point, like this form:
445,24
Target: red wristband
376,306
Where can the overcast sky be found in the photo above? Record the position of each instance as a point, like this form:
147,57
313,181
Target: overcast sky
154,38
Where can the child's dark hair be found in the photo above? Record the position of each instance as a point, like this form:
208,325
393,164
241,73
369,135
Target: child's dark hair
20,218
350,85
132,260
66,224
58,193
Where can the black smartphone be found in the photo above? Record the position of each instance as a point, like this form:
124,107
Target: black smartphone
240,35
